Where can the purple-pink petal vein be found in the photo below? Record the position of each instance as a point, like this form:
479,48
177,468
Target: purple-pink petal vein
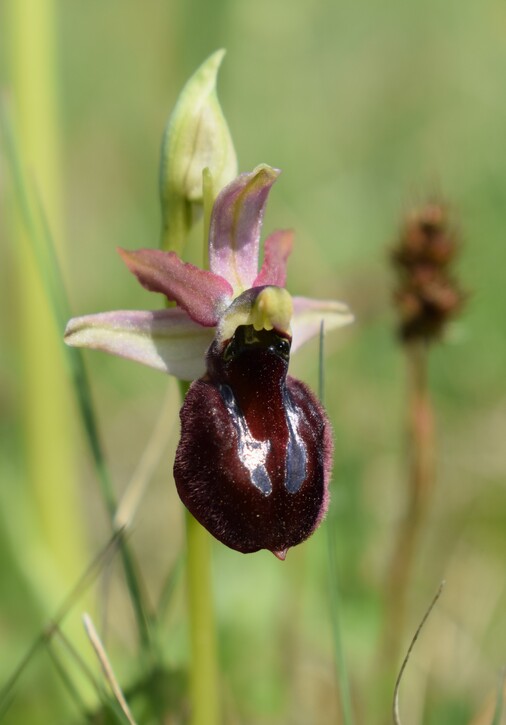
236,223
277,249
200,293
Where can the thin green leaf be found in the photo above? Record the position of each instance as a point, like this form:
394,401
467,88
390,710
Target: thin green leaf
7,692
107,669
396,715
343,682
75,655
169,587
67,680
39,235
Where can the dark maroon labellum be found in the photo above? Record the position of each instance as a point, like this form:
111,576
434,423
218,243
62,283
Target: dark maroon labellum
255,452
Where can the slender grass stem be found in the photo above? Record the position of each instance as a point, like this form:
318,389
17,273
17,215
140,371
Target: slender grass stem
395,706
40,238
107,669
343,682
169,587
76,657
6,692
142,476
67,680
204,690
335,604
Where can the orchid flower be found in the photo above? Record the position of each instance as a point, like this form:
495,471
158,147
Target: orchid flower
254,459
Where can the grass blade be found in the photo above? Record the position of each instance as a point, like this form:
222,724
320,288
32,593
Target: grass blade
343,683
6,693
396,714
43,248
107,668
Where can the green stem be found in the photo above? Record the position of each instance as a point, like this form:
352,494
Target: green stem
176,223
208,197
343,681
204,685
204,691
335,614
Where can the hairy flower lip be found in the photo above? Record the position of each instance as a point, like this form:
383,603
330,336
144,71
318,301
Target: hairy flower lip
246,341
229,434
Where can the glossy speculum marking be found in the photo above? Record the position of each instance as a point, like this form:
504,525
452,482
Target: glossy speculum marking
252,453
255,451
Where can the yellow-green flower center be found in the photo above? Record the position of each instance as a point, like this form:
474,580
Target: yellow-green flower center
271,309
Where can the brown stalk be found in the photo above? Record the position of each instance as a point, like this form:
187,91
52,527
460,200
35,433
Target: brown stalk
427,296
421,453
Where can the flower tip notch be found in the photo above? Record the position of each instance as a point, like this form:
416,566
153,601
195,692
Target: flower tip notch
281,555
266,171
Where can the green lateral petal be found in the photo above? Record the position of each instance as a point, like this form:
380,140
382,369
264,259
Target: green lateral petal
308,315
236,223
167,340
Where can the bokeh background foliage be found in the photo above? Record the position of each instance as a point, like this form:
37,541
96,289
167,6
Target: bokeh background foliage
367,108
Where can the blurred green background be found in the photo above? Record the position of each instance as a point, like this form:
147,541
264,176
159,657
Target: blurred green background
367,108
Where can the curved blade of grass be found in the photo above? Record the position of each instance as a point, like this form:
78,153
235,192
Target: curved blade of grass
74,654
109,675
395,709
343,682
6,693
154,450
42,245
67,680
169,587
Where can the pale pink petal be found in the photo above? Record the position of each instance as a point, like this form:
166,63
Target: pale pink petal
201,293
277,249
308,315
167,340
236,223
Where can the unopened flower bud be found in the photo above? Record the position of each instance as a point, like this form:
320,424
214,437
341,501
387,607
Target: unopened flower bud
196,137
